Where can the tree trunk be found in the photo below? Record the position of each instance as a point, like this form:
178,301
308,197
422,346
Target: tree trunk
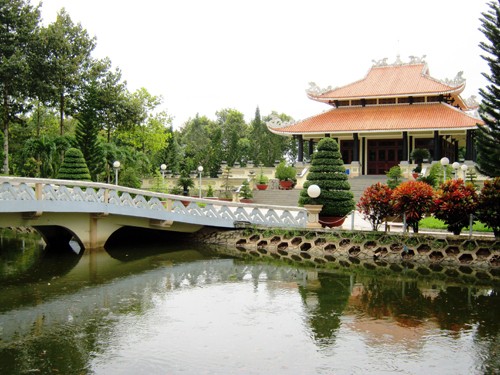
61,114
5,133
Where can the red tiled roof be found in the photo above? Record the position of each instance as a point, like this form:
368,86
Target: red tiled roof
391,80
435,116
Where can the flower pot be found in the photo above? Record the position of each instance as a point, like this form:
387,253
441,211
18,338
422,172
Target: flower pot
261,186
415,175
286,184
246,200
331,221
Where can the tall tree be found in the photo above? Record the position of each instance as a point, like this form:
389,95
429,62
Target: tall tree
67,49
18,28
488,136
233,128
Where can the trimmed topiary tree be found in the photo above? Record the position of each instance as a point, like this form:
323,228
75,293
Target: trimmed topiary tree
74,166
328,172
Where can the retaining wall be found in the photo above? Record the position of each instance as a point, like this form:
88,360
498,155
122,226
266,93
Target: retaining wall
477,257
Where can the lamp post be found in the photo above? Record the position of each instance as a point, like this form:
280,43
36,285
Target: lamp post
200,169
313,210
163,168
455,166
464,168
116,167
444,162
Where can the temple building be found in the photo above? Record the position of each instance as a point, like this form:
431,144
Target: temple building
381,118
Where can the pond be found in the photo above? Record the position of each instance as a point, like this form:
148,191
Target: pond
172,309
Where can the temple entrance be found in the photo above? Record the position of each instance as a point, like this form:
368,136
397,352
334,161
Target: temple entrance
383,154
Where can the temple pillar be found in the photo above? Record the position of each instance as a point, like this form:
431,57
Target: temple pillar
437,146
405,147
311,147
300,141
455,145
355,148
469,145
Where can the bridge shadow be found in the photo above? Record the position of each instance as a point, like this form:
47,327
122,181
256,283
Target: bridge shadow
131,243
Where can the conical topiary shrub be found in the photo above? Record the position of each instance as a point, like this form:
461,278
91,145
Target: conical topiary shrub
74,166
328,172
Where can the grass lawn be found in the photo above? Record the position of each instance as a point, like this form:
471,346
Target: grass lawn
433,223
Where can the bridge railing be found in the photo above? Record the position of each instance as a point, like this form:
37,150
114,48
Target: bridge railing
19,194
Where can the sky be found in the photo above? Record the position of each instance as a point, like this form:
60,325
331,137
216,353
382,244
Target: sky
204,56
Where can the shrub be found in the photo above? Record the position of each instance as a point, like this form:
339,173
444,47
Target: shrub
130,178
328,172
394,176
454,203
418,155
375,204
74,166
245,191
489,205
413,198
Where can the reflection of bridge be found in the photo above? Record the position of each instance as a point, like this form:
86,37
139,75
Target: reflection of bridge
91,212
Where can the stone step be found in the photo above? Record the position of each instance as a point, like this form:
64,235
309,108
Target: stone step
291,197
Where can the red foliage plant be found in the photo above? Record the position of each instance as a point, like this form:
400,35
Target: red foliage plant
413,198
454,202
375,204
489,205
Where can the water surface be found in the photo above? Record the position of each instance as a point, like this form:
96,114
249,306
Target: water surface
176,310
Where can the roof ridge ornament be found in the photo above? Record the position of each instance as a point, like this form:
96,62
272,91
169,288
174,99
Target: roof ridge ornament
471,102
314,89
399,62
275,122
457,81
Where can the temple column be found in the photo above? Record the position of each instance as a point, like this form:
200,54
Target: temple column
437,146
405,146
455,144
469,145
355,170
355,148
311,147
300,142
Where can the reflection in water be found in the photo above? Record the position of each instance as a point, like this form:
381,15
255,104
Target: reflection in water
188,311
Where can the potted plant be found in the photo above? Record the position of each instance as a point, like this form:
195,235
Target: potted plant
185,182
262,181
246,193
418,155
286,175
328,172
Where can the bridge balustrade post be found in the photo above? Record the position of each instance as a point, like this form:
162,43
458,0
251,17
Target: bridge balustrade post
106,195
168,204
38,191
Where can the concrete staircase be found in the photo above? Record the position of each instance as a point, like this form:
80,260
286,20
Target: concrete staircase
291,197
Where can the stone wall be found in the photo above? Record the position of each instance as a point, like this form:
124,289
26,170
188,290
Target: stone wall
477,257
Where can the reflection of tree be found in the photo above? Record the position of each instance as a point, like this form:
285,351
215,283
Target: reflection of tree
331,293
402,300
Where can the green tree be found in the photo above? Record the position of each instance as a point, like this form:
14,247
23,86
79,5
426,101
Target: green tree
233,128
18,29
276,147
67,50
328,172
488,136
74,166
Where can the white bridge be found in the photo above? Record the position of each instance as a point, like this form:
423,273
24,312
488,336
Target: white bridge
91,212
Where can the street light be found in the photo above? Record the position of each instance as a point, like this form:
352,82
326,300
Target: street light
455,166
163,168
116,167
200,169
464,168
314,191
444,162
